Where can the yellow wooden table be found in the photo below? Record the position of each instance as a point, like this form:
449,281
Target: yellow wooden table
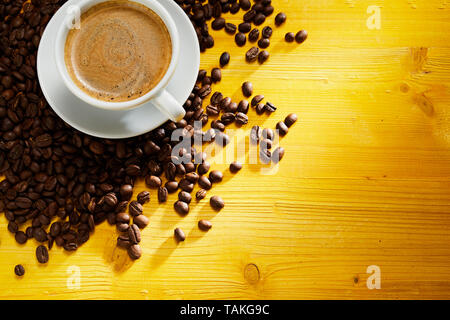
363,191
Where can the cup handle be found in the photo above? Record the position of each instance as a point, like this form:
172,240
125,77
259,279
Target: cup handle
167,104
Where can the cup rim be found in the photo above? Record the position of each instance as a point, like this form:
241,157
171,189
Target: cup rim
70,84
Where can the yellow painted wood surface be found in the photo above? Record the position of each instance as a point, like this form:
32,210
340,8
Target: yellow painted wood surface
365,180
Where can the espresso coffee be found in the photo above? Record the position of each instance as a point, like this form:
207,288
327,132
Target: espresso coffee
121,52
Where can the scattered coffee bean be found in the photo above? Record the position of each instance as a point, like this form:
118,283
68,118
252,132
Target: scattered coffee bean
290,120
230,28
255,134
277,155
266,144
124,241
260,108
270,107
280,19
141,221
263,43
134,251
162,194
245,27
171,186
201,75
135,208
152,182
181,207
227,118
241,119
21,237
143,197
282,128
268,133
235,167
301,36
126,192
216,75
266,32
265,156
252,54
204,225
249,16
253,35
263,56
134,234
215,176
245,4
179,235
240,39
42,254
200,195
185,197
247,89
204,183
203,168
243,106
19,270
289,37
224,59
218,23
259,19
257,99
216,203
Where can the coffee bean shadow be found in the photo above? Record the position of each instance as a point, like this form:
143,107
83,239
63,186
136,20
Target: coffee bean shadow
115,256
282,46
163,252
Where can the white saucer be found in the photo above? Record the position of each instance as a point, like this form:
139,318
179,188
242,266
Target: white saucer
116,124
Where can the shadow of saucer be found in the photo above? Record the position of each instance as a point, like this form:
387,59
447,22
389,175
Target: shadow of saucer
163,252
115,256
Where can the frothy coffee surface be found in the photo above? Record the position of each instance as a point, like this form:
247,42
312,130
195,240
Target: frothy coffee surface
121,52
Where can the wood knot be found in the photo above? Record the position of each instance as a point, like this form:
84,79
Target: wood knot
404,87
251,273
424,104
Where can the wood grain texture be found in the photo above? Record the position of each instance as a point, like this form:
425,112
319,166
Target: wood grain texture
365,180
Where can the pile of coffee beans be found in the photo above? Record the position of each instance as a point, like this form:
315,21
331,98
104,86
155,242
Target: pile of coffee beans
60,183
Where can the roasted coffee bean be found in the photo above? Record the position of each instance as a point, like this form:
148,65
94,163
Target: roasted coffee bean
263,57
243,106
217,124
171,186
135,208
179,235
290,120
42,254
134,234
255,134
216,76
126,192
301,36
227,118
289,37
266,32
268,133
21,237
257,99
278,154
218,23
282,128
111,199
204,225
265,156
280,18
201,75
206,89
260,108
215,176
143,197
124,217
162,194
192,177
234,8
259,19
134,251
253,35
124,241
245,4
141,221
216,98
123,227
224,59
212,110
71,246
250,15
225,103
235,166
185,197
252,54
204,183
216,203
244,27
263,43
247,89
240,39
181,207
19,270
230,28
266,144
13,227
222,139
241,119
152,182
268,10
39,234
201,194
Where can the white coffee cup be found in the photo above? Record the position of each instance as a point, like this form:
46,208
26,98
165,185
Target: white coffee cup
158,96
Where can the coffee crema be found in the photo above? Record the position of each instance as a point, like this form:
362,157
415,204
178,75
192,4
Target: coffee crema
121,52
